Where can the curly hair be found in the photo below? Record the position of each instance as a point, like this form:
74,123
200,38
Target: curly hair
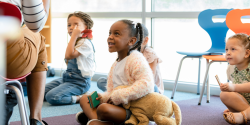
244,38
85,17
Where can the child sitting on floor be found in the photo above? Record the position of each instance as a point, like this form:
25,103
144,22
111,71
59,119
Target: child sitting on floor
153,61
236,95
79,58
130,69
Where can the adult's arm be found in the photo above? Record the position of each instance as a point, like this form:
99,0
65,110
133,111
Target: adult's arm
35,13
46,4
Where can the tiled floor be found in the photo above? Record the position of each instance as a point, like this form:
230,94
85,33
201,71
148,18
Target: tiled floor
49,110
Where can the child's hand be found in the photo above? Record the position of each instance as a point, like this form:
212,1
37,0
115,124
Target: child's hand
76,32
99,97
110,101
227,87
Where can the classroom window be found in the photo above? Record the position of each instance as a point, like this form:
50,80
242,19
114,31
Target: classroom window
168,31
198,5
96,5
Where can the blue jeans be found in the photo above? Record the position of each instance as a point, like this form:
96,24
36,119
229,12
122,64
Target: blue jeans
10,103
102,83
64,90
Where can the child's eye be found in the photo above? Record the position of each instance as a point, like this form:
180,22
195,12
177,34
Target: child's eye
116,33
109,33
233,49
69,25
226,49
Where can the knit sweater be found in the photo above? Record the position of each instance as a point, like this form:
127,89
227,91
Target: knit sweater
140,80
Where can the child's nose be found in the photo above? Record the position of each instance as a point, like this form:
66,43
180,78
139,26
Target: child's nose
110,37
72,26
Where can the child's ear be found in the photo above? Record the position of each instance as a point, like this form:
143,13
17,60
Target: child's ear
247,53
132,41
145,41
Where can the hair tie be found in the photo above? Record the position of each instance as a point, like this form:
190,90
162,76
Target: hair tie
87,33
135,24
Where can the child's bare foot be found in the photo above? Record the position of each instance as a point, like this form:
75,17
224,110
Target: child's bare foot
227,110
239,119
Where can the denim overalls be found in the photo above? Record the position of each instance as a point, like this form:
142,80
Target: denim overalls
64,90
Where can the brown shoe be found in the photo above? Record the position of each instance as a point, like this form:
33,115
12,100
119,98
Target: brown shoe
229,117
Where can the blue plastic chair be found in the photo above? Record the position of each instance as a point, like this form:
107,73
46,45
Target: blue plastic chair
217,33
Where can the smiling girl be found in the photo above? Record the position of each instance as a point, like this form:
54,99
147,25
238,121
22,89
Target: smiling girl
130,69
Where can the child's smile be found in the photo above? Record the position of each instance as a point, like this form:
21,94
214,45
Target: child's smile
118,38
111,44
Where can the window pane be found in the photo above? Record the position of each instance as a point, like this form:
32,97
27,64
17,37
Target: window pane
171,35
101,27
96,5
198,5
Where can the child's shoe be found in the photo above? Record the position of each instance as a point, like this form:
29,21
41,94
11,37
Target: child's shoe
81,118
80,96
98,121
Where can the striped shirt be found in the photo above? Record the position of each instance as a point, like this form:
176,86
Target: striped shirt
33,13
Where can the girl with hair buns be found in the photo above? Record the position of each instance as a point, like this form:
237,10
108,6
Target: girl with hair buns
79,58
236,95
130,69
153,61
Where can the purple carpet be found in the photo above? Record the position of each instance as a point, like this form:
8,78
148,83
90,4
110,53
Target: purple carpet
204,114
192,114
56,120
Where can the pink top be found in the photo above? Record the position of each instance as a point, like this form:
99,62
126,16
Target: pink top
150,56
140,80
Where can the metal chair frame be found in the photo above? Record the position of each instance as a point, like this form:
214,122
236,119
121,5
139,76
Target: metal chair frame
16,86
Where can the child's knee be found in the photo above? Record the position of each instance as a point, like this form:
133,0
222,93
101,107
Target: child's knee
83,100
224,96
103,111
52,98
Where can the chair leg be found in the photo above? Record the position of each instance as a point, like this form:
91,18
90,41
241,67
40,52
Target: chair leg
205,81
198,83
177,76
17,88
208,89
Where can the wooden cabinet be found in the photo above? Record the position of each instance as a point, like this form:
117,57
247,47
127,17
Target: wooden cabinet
46,32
